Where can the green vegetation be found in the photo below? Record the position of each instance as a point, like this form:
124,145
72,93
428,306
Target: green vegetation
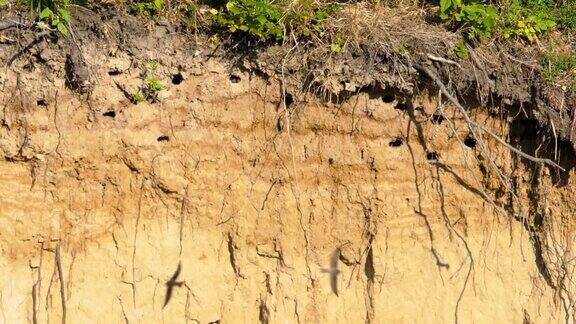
518,19
149,8
260,18
562,12
526,22
461,50
521,19
403,50
190,14
313,18
152,66
137,97
153,85
560,67
478,19
337,45
272,19
51,14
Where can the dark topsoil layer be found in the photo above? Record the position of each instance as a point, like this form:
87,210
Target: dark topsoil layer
382,49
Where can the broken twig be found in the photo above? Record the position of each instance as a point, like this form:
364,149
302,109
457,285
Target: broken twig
443,60
10,23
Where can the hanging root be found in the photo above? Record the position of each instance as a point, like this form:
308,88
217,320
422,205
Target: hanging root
473,125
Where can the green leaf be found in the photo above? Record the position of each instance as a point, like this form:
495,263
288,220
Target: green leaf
461,50
158,5
62,29
261,20
64,14
137,97
46,13
335,48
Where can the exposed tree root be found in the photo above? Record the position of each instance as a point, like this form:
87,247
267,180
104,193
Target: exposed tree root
473,125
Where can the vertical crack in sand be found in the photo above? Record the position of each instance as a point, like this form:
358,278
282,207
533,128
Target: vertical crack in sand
182,214
58,260
232,247
36,288
369,294
138,215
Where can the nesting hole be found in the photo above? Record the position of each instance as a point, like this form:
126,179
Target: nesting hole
396,142
163,138
288,100
437,118
470,141
41,102
110,113
432,156
235,78
401,106
331,161
177,78
421,110
114,72
388,97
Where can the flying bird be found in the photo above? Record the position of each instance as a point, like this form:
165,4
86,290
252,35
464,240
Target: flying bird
171,283
333,271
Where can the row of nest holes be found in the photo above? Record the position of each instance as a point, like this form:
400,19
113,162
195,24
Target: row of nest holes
112,114
430,156
289,100
176,78
401,106
469,141
436,118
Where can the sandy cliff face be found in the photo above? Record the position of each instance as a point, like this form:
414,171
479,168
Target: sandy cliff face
103,200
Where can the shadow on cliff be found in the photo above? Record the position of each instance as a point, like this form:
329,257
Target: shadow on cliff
531,138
